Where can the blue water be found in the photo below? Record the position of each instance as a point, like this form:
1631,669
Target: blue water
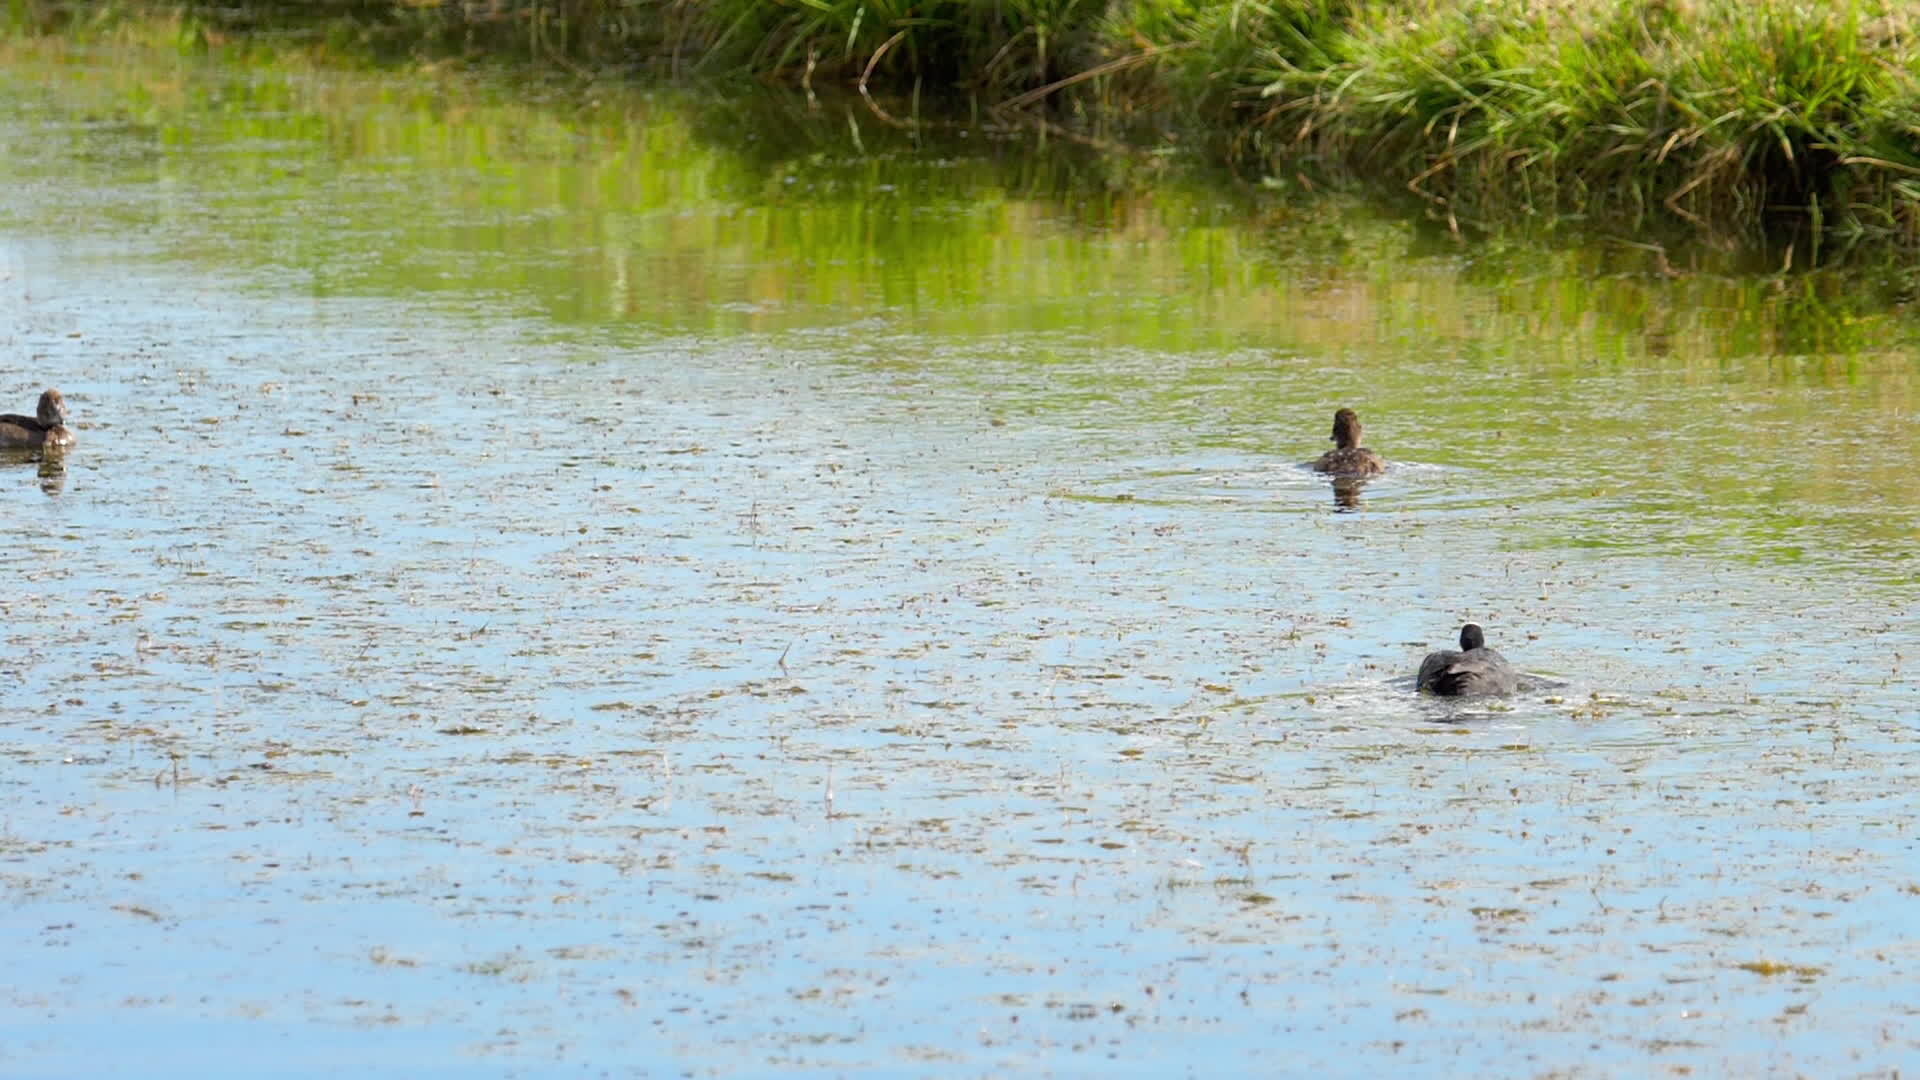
399,686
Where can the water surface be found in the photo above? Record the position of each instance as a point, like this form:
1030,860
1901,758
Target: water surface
636,583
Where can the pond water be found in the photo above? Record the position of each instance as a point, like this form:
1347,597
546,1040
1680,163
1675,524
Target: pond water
727,589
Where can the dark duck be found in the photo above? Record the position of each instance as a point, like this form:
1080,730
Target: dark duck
1474,670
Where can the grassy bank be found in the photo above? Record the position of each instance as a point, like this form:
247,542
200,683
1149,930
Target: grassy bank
1735,119
1725,116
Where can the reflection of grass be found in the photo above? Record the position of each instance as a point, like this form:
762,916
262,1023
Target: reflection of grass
1048,285
1075,496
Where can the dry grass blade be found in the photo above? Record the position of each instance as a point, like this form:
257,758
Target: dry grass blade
1108,68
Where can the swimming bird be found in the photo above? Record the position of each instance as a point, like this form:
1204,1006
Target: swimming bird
49,428
1349,458
1476,669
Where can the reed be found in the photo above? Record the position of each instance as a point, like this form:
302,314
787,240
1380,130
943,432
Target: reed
1722,115
944,46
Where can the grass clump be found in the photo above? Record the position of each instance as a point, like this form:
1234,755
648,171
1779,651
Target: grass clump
1718,114
1213,47
997,46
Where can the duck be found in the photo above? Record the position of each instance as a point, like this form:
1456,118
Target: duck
48,428
1348,458
1474,670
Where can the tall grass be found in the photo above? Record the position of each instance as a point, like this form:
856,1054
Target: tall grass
944,46
1715,113
1230,37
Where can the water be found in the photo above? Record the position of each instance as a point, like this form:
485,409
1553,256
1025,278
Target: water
549,588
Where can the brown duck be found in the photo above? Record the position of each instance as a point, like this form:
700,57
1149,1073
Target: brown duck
48,428
1349,458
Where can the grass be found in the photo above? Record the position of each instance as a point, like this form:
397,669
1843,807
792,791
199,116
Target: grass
994,47
1731,119
1720,115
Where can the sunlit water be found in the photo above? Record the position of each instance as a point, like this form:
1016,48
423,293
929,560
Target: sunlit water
533,605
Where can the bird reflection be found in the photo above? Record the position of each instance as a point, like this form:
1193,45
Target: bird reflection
1346,493
53,474
51,466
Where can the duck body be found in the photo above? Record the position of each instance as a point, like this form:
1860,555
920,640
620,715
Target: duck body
1472,671
1348,458
1352,461
48,427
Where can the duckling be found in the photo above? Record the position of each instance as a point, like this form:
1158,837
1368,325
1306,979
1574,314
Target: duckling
1349,458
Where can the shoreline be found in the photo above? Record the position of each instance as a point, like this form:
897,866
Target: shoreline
1766,125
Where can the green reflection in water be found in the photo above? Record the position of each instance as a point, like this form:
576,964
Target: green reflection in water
1605,397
